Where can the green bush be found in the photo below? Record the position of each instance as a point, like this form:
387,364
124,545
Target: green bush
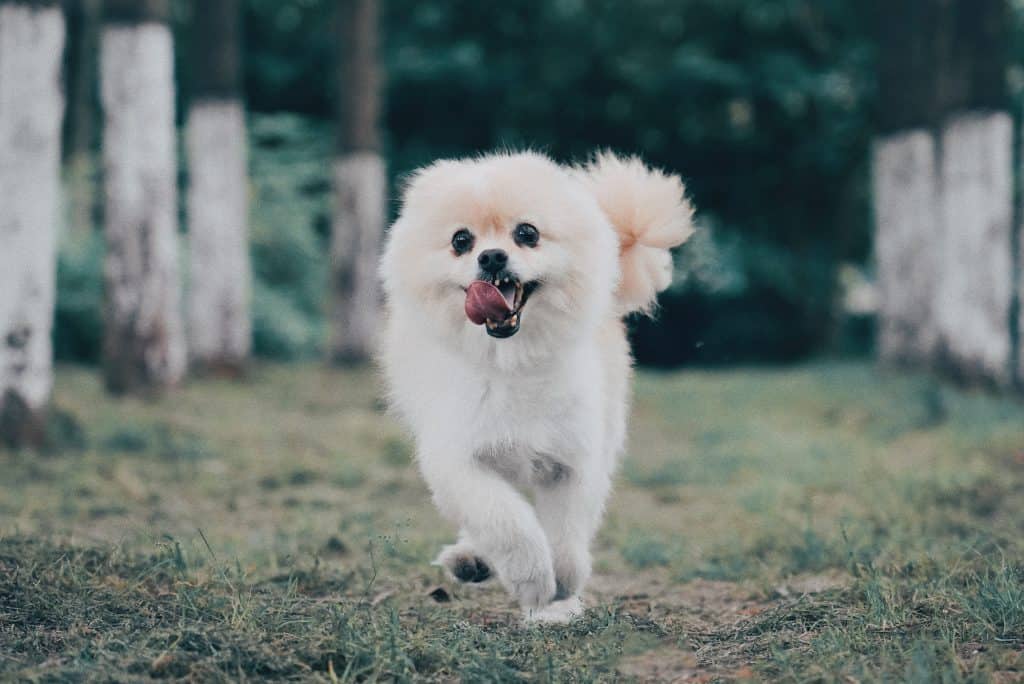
290,225
280,330
78,321
740,298
763,106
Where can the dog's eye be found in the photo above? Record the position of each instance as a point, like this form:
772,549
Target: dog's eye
462,241
526,235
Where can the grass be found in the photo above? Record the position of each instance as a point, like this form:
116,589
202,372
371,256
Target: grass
821,523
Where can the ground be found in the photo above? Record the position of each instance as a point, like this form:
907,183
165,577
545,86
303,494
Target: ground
828,522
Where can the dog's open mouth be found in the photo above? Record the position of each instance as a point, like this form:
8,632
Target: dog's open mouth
497,303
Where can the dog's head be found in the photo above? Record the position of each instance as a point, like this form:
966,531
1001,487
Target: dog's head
503,249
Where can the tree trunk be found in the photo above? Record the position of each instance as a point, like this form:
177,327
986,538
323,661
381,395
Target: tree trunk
905,181
143,346
909,60
974,299
975,292
80,121
1017,317
359,187
943,188
220,327
31,110
972,54
906,240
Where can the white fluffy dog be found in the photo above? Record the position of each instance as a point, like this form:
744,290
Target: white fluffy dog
507,278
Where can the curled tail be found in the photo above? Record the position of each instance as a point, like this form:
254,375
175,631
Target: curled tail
651,214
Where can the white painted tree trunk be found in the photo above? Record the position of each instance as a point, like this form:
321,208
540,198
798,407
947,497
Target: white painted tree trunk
144,345
1020,309
1018,341
31,109
976,287
220,329
907,245
360,186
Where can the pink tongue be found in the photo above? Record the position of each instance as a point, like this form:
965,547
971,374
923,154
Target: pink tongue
484,301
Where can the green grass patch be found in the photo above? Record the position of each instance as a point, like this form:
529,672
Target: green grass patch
819,523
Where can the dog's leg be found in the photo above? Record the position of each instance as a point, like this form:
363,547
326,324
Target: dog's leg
501,524
570,510
463,561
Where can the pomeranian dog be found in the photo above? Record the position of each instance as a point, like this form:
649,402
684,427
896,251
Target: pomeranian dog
507,278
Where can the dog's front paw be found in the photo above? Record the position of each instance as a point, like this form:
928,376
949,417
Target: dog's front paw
532,594
572,569
532,585
527,571
464,564
555,613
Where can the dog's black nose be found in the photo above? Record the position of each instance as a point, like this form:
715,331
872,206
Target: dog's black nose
492,260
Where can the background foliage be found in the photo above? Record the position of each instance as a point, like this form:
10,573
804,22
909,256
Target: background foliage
762,105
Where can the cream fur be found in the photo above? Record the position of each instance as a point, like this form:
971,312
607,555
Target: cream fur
650,211
518,438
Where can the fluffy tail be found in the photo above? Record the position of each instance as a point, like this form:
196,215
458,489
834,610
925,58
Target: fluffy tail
651,214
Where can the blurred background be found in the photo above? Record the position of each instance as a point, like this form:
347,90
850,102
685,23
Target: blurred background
770,110
765,108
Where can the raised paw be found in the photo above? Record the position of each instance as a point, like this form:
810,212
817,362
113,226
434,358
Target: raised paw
463,564
471,569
